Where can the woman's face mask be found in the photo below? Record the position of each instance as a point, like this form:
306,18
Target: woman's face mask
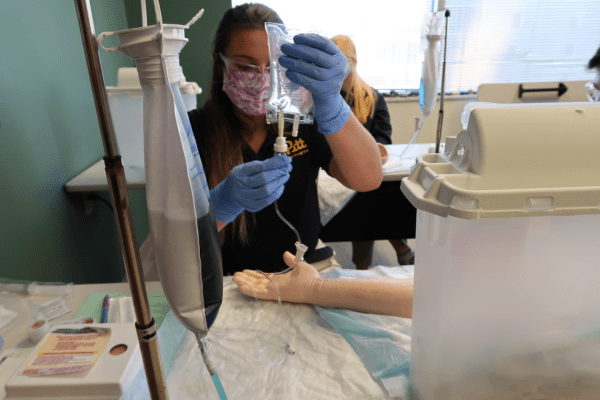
247,86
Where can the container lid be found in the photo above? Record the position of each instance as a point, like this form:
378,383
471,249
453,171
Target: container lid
514,160
128,83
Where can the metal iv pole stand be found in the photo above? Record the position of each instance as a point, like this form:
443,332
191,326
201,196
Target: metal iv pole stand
438,136
145,326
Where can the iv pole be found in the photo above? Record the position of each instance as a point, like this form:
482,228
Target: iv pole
438,136
145,325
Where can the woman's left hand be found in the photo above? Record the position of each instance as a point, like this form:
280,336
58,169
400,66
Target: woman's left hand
318,64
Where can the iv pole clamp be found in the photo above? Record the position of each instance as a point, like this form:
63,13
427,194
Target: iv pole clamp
438,137
145,325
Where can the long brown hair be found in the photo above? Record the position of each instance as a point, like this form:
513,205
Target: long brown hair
359,95
226,136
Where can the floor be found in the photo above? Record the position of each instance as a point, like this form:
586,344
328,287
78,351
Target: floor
383,253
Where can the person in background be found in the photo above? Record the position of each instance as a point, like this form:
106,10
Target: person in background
236,144
371,110
593,88
305,285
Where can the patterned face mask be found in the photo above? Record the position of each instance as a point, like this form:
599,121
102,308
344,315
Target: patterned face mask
248,90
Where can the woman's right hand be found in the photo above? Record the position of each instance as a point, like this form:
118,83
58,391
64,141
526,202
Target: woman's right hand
250,186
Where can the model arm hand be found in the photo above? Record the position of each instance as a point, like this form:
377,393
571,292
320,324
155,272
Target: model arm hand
318,64
303,284
250,186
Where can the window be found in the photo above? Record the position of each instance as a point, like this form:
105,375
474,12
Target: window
489,41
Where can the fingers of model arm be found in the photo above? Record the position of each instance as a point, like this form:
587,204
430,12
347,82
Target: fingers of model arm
253,284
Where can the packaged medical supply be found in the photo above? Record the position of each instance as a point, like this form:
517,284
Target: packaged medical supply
35,288
506,279
48,310
289,98
182,223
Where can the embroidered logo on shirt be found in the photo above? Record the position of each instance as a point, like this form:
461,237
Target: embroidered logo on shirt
296,148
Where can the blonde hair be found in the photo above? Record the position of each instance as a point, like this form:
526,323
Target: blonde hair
359,95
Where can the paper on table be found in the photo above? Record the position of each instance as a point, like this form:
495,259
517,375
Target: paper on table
67,350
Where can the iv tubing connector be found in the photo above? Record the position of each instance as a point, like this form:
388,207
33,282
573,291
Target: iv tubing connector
300,250
280,145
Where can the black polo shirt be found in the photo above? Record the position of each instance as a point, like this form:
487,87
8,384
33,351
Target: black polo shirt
270,237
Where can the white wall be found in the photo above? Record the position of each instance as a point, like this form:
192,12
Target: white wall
403,111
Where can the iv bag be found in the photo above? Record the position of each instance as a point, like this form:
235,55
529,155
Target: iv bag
285,95
182,223
431,35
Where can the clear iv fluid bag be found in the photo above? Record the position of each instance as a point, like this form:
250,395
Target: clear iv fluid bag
430,38
182,224
285,95
429,77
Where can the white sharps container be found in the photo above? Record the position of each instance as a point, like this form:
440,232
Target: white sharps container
507,279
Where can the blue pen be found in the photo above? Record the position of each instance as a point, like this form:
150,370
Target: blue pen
105,310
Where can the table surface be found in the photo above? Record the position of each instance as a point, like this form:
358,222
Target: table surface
94,179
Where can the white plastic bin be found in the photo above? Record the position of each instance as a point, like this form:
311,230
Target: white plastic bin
126,107
507,275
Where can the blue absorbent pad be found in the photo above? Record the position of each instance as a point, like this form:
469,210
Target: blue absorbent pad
382,342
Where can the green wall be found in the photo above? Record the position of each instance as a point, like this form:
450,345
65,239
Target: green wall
48,134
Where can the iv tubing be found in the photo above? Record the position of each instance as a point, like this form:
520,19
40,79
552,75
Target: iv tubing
254,318
287,222
211,369
280,147
423,118
144,15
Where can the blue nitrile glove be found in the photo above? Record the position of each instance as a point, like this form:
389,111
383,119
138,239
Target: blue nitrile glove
251,186
317,64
